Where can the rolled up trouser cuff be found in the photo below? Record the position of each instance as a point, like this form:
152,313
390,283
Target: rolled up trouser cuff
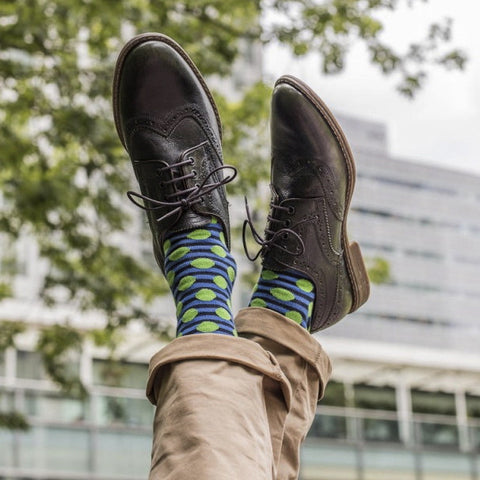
216,347
222,403
285,332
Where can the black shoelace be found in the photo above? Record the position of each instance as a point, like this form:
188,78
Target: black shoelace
274,236
181,200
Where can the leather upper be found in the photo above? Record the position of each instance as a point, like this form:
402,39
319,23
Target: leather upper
167,121
310,178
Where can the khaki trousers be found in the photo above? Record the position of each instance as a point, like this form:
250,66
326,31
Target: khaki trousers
233,408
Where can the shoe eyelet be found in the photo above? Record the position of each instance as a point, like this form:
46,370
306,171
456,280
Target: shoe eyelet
287,222
158,172
284,236
194,172
197,185
192,161
291,210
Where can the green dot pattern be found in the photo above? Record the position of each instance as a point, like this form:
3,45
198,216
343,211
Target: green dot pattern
219,251
223,313
282,294
200,272
305,285
207,327
258,302
186,282
220,282
189,315
199,234
268,275
205,295
202,263
179,309
295,316
178,253
288,293
166,246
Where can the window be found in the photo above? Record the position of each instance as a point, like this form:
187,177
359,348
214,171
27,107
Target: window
437,403
30,365
123,411
334,395
379,430
120,374
374,429
473,406
431,430
55,408
375,398
328,426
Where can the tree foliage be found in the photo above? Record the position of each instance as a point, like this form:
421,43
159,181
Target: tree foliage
64,172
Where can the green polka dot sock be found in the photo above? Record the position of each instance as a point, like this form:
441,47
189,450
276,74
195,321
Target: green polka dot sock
287,293
200,271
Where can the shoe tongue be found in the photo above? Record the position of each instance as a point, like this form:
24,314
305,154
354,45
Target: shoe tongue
190,220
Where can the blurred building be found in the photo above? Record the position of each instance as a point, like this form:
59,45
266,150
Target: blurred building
404,401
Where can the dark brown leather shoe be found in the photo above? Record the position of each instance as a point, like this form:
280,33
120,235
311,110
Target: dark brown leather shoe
312,180
168,122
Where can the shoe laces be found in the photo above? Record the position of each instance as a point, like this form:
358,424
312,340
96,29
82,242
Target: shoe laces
272,237
182,199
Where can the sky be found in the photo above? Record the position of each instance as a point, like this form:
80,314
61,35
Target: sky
442,124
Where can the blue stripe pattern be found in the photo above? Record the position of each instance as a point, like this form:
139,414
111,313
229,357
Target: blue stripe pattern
201,271
288,293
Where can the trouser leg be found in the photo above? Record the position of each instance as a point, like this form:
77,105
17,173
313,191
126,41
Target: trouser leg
222,403
307,368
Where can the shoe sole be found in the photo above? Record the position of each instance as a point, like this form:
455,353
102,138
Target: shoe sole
356,269
135,42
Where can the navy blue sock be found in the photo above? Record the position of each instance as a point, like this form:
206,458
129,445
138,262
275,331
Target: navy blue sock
288,293
200,271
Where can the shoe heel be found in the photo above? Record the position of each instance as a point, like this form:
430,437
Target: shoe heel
358,277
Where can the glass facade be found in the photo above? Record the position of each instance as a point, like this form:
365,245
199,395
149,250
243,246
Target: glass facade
353,453
355,435
106,435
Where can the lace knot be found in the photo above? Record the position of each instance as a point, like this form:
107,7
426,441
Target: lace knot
272,242
182,199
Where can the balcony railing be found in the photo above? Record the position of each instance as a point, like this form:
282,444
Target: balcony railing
366,426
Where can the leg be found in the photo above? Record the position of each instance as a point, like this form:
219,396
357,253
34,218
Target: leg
307,368
312,276
219,398
219,401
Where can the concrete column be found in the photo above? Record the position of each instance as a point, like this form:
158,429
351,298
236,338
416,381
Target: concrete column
404,411
86,366
10,366
462,420
352,421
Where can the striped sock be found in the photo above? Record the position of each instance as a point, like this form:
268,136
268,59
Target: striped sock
201,271
287,293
